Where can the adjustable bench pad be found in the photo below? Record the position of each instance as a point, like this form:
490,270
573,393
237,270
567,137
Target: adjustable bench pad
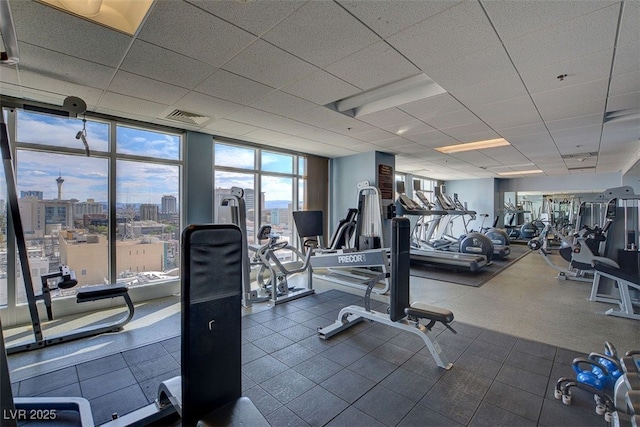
633,401
94,293
424,311
617,272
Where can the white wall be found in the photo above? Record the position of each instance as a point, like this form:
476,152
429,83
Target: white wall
549,184
480,195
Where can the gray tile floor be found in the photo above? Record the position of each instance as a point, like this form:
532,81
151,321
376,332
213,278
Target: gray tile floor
370,375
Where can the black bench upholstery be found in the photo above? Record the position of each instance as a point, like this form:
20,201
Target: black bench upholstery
616,272
424,311
95,293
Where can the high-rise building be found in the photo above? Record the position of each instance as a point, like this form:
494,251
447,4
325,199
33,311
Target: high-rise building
59,181
32,193
148,212
90,207
169,205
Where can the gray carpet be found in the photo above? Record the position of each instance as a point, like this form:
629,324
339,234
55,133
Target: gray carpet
465,277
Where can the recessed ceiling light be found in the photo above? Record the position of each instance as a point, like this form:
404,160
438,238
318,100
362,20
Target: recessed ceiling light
478,145
512,173
122,15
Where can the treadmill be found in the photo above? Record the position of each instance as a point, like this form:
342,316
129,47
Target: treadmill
427,255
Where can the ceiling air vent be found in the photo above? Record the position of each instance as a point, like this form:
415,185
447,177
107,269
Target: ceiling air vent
580,155
185,117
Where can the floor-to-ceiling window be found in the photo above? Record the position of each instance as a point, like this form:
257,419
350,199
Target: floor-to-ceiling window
273,184
110,211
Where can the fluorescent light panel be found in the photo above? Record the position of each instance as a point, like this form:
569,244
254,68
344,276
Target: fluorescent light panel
478,145
122,15
512,173
388,96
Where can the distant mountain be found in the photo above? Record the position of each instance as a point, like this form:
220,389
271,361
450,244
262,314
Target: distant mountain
277,204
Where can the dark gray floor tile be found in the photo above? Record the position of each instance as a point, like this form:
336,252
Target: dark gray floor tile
348,385
264,317
331,316
265,403
172,344
304,303
284,309
364,342
142,354
262,369
321,308
372,367
554,413
581,400
343,354
177,356
451,352
423,364
317,368
100,366
334,293
466,381
293,354
14,388
466,330
318,345
107,383
448,338
280,323
392,353
300,316
528,362
298,332
256,332
247,322
151,368
284,417
408,384
525,380
125,400
565,357
273,342
287,385
534,348
317,406
421,416
411,342
451,403
150,387
247,383
497,338
382,331
47,382
480,365
251,352
490,351
514,400
384,405
492,416
349,299
71,390
353,417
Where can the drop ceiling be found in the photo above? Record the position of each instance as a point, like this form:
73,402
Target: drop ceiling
263,71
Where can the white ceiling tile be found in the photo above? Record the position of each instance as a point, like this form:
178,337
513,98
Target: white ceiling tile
511,113
269,65
266,135
8,73
473,69
434,106
432,139
458,31
586,34
506,155
230,127
621,132
50,28
590,132
575,122
320,33
508,87
388,117
476,158
595,106
387,18
513,132
627,58
571,95
470,132
144,88
321,88
415,127
161,64
61,67
206,105
256,17
283,104
188,30
232,87
257,118
373,66
393,142
374,135
624,102
515,19
324,118
122,103
625,83
629,28
586,68
56,90
449,120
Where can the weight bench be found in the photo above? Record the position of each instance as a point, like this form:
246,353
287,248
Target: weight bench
625,282
402,315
